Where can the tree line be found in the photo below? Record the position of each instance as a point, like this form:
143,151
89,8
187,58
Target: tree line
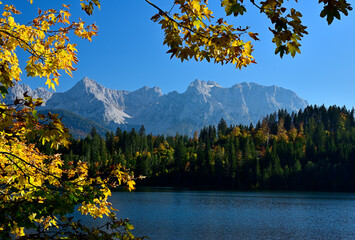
313,149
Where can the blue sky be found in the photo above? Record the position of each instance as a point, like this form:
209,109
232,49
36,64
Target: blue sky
128,53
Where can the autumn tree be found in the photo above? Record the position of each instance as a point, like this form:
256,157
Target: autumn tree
37,191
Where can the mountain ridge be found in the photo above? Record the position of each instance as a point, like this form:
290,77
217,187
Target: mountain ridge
202,103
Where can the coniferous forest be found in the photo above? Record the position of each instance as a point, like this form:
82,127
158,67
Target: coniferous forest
313,149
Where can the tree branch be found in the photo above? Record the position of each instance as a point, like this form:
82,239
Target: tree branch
253,2
25,174
161,12
32,165
198,17
32,52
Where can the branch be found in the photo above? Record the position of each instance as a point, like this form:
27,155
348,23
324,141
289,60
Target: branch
253,2
32,165
173,20
172,7
198,17
25,174
23,41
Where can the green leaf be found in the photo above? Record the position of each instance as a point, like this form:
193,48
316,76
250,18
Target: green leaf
129,226
35,115
197,24
231,6
3,91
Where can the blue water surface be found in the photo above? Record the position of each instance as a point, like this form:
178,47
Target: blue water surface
191,214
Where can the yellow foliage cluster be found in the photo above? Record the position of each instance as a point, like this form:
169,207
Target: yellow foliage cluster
45,39
36,189
30,177
190,33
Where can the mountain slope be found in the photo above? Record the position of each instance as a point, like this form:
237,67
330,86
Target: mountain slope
92,100
78,126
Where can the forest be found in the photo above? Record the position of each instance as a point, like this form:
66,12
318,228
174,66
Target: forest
312,150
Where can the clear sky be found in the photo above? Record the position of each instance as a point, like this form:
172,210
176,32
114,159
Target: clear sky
128,53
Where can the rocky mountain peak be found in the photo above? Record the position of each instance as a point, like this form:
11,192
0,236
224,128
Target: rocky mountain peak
201,87
246,85
212,83
147,90
18,90
88,85
158,91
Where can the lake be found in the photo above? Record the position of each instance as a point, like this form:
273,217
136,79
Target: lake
189,214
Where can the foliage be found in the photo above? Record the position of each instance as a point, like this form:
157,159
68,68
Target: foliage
191,33
309,150
37,191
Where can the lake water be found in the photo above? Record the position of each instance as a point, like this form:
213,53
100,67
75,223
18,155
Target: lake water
188,214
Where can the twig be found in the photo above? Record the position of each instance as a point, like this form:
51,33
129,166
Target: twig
253,2
172,7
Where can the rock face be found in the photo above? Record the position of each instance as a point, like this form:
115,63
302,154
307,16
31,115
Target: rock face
203,103
92,100
18,90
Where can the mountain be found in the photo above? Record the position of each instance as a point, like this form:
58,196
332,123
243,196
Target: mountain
203,103
18,90
92,100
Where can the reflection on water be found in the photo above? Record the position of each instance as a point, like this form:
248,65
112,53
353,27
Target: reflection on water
177,214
